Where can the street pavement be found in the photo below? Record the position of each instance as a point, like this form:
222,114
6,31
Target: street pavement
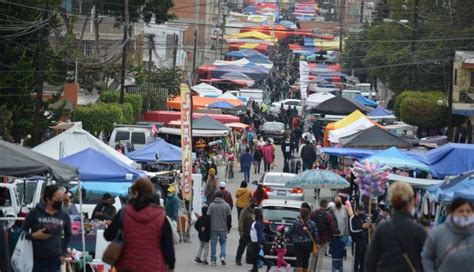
186,252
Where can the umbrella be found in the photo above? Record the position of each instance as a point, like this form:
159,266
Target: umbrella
316,178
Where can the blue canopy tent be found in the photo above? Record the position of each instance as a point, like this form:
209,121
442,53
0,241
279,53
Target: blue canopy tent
380,111
249,9
159,150
395,158
113,188
349,152
451,159
94,165
445,191
288,24
365,101
244,53
466,193
221,105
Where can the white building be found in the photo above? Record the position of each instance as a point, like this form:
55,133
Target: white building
167,38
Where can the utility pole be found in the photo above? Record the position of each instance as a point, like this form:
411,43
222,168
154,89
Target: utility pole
151,47
194,55
175,50
414,37
361,11
341,24
40,66
124,52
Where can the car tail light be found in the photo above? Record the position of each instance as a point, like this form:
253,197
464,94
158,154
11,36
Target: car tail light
297,190
267,188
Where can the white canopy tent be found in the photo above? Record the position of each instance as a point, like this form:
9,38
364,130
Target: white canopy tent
204,89
314,99
359,125
75,140
227,95
241,62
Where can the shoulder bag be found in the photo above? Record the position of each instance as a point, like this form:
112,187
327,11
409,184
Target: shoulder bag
114,249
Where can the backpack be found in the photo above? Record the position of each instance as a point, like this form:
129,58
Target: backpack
322,221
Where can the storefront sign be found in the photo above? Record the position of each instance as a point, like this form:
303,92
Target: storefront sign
186,140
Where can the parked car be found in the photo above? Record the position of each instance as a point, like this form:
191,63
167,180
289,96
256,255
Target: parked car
404,131
274,185
275,108
135,135
274,130
279,212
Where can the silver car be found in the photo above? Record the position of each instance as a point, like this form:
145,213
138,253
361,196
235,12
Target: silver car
274,185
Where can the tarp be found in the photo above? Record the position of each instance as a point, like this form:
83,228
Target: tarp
251,55
396,159
446,190
415,182
232,72
200,102
348,152
337,106
374,137
366,101
250,34
221,105
94,165
451,159
159,150
204,88
380,111
358,125
208,123
20,162
322,43
113,188
75,140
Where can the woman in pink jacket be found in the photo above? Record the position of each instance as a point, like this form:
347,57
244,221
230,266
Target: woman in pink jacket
268,155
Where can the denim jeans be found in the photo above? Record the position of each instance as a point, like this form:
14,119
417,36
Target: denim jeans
246,174
203,251
222,237
337,265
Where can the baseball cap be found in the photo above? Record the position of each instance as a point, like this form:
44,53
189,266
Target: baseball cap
222,184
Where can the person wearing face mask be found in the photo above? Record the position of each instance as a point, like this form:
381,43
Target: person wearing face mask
104,210
397,243
44,225
450,246
68,206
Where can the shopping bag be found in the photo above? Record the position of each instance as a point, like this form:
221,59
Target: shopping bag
22,258
260,263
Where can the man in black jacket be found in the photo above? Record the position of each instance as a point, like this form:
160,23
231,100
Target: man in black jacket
245,223
308,155
104,210
359,227
286,148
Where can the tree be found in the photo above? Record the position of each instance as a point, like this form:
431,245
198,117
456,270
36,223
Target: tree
354,52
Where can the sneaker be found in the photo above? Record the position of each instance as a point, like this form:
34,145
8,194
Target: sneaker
238,262
213,263
223,262
205,263
197,260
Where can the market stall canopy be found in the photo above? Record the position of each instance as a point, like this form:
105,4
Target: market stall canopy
356,153
451,159
21,162
113,188
94,165
322,43
237,125
356,126
415,182
204,88
200,102
228,95
395,158
338,106
158,150
365,101
196,132
288,24
316,178
380,111
374,137
221,105
167,116
208,123
446,190
75,140
317,98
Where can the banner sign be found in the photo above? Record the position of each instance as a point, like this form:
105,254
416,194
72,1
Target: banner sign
186,141
304,79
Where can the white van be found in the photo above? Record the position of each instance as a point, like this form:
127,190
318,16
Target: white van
257,95
137,135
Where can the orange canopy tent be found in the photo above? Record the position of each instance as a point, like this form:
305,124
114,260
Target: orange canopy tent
200,102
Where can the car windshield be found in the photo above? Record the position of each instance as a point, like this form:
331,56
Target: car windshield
275,213
274,126
27,197
277,179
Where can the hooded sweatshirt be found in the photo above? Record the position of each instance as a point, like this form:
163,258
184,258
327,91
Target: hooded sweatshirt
56,224
220,214
449,248
243,197
203,226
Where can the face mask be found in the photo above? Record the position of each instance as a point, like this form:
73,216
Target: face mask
57,205
338,205
462,221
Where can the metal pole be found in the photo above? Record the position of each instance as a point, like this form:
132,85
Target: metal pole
412,75
341,24
175,50
361,11
124,53
40,75
194,56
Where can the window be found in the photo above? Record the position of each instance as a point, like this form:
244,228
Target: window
87,47
138,138
169,46
472,79
122,136
293,103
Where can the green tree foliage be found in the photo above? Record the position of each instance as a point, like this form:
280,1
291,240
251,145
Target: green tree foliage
135,100
99,117
127,112
146,9
421,109
6,124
